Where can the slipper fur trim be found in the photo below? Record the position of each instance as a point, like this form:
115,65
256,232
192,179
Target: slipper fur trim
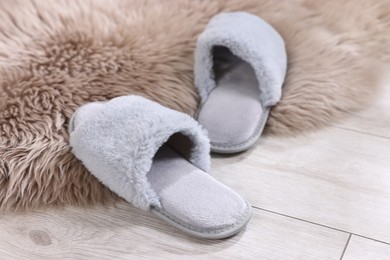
117,143
251,39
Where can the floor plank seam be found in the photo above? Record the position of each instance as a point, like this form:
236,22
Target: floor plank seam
345,248
321,225
360,132
307,221
373,239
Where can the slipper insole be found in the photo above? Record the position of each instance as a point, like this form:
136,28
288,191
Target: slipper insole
193,197
232,113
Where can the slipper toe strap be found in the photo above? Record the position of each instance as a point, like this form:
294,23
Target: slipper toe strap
117,143
249,38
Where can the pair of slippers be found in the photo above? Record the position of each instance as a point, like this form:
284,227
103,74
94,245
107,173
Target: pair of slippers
157,158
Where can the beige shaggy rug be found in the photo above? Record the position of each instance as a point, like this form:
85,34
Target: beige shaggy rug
58,55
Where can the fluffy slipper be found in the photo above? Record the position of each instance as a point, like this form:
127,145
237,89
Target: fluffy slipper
156,158
240,66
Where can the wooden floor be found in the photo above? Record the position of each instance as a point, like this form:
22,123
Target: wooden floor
320,196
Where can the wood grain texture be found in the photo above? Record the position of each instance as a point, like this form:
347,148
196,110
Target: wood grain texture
375,119
338,177
362,248
124,232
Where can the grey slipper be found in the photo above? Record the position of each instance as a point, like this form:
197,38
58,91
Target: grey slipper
240,66
157,158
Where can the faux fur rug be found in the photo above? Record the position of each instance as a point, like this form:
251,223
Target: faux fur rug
58,55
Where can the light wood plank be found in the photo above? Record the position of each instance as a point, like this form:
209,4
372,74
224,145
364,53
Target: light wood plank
375,119
127,233
335,177
362,248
